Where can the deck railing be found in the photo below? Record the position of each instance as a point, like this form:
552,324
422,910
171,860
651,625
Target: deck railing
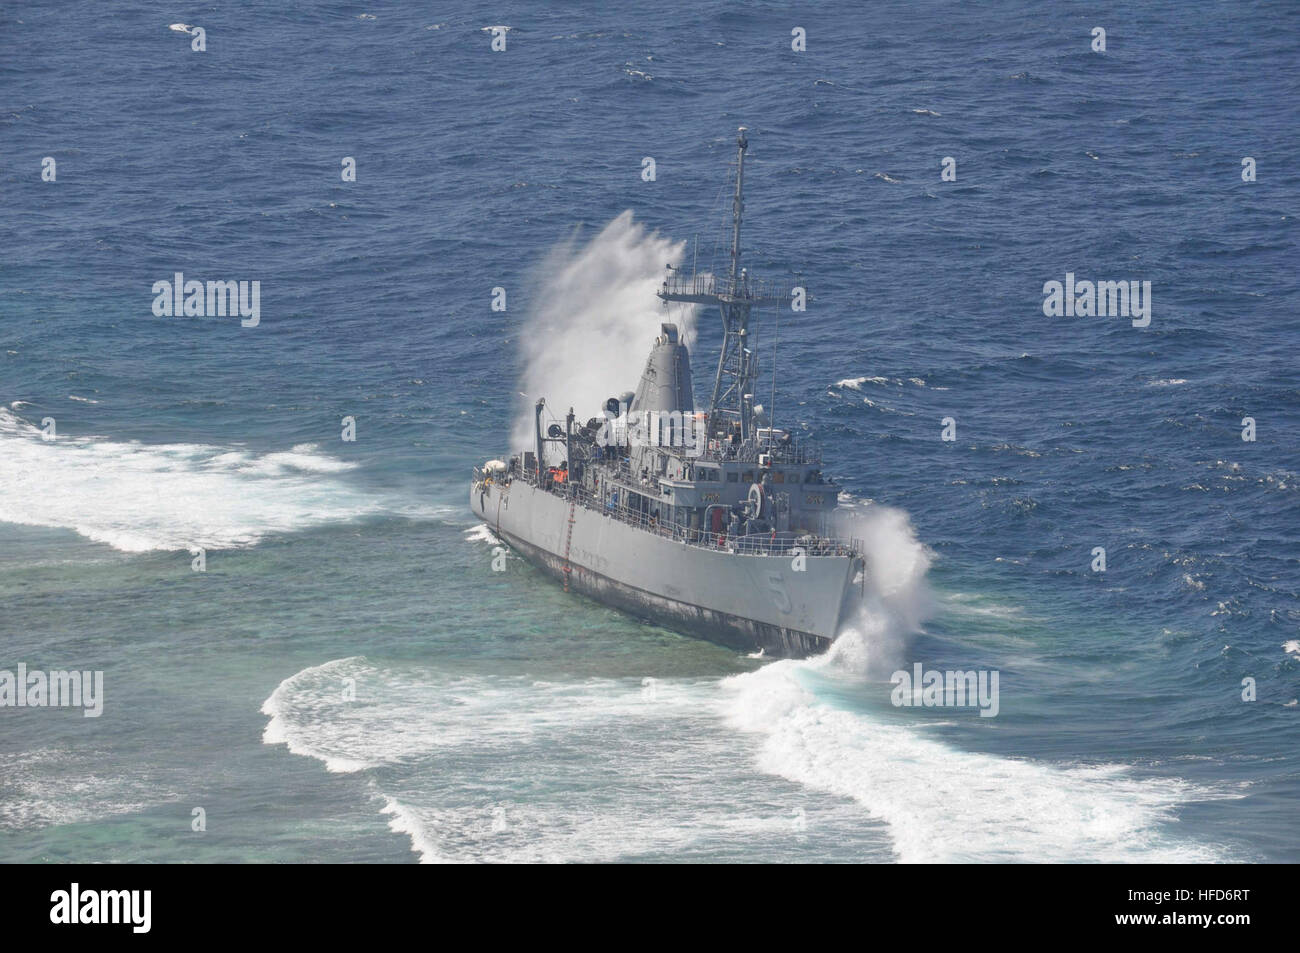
746,288
754,544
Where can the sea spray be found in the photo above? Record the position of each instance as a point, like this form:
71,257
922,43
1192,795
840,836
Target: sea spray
895,599
596,315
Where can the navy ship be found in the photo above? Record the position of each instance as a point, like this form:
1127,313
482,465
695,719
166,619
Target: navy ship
712,522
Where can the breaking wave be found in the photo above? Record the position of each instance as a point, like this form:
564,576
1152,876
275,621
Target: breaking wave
944,805
482,767
941,804
139,497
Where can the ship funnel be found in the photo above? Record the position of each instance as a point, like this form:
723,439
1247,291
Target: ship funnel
666,382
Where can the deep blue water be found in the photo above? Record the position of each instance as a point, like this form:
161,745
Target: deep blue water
497,718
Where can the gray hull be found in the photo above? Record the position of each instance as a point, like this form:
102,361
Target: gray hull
745,601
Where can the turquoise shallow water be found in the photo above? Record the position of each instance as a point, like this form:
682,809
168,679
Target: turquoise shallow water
496,718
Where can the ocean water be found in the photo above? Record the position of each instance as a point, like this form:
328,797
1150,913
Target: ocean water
494,718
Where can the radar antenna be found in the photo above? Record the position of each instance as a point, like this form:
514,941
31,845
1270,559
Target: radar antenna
734,295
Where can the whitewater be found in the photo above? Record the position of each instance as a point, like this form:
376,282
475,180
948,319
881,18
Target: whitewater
138,497
701,744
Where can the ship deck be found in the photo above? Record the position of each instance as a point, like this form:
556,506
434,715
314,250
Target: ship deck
763,544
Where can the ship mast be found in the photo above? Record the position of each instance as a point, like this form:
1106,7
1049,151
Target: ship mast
734,296
738,202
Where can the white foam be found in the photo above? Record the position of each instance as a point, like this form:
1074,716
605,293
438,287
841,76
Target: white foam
400,714
139,497
481,534
941,804
676,767
946,805
660,753
452,750
301,710
964,603
855,383
50,787
403,820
